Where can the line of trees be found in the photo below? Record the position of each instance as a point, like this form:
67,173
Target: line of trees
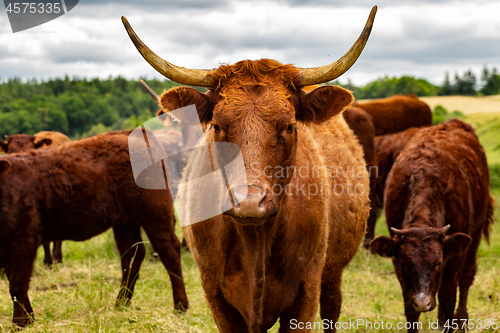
77,107
81,107
465,84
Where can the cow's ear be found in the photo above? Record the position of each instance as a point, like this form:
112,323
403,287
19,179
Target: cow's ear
323,103
179,97
384,246
4,166
4,145
456,244
43,141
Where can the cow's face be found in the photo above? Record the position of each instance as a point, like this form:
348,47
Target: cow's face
419,256
258,106
22,142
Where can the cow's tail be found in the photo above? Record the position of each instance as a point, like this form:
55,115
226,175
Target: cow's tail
489,218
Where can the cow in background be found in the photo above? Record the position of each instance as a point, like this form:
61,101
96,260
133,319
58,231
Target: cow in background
23,142
397,113
387,148
437,207
91,190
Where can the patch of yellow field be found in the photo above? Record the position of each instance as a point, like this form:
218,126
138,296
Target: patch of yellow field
465,104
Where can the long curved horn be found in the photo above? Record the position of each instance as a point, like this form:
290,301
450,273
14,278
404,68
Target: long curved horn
193,77
322,74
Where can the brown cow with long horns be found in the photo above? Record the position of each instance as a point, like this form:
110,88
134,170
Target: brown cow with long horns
278,250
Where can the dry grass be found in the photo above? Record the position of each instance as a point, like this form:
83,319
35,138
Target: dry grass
465,104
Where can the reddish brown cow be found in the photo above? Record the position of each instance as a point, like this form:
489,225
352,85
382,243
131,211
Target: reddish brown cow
387,148
75,191
437,206
279,249
397,113
22,142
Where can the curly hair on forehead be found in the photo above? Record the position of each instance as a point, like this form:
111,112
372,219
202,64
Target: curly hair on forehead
250,72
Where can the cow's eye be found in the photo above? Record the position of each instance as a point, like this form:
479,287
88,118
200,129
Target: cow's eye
217,128
289,129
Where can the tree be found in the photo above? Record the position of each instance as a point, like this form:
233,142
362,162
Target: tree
491,82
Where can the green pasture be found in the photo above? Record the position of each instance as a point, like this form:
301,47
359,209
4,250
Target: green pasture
79,294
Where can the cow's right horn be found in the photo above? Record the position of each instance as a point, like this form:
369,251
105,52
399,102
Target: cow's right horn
193,77
322,74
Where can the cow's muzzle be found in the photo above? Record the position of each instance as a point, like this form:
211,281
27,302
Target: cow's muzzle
423,302
251,205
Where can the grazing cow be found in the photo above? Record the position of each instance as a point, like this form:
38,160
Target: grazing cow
23,142
281,247
361,123
437,206
397,113
75,191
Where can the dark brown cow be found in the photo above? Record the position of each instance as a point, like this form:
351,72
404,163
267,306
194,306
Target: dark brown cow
280,248
23,142
437,206
387,148
397,113
75,191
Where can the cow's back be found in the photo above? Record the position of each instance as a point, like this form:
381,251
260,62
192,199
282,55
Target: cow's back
397,113
443,169
86,178
387,148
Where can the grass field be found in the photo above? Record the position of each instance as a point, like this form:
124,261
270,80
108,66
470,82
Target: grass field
79,295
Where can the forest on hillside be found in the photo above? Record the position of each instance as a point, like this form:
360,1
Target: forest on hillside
81,107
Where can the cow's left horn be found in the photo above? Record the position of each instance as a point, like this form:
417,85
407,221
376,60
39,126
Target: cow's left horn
193,77
322,74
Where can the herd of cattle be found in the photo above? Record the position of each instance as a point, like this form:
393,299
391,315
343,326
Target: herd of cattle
272,255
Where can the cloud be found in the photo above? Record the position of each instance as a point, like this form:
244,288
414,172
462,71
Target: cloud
422,38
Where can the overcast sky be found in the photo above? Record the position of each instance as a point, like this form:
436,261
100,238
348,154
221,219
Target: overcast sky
419,38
